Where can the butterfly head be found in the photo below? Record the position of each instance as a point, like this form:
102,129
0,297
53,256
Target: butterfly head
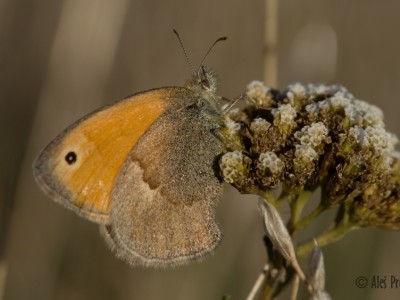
203,82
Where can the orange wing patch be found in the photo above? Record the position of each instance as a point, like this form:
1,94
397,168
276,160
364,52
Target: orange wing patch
99,144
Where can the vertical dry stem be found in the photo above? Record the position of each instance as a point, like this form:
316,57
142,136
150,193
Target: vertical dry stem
270,43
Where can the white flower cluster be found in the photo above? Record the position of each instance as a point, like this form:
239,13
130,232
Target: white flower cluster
318,89
284,114
304,154
338,101
375,139
312,135
359,112
257,91
271,162
312,91
359,135
383,144
259,125
371,114
296,90
232,126
380,139
231,163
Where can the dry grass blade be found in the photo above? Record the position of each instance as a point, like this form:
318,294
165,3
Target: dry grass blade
316,274
279,235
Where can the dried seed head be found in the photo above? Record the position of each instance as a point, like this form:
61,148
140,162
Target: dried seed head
310,135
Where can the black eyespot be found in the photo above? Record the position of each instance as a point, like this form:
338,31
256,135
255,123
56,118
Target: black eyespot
71,157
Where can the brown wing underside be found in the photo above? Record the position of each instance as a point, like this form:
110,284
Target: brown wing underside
169,218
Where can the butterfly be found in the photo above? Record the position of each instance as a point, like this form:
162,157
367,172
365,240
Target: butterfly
143,168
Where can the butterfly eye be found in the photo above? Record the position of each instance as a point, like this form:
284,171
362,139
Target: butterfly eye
71,157
204,79
206,83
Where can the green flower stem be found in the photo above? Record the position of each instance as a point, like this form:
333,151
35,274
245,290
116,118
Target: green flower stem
297,204
326,238
309,218
269,196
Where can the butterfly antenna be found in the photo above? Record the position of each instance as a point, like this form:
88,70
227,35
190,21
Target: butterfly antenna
223,38
184,50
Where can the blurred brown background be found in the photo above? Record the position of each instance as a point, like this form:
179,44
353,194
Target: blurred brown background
60,59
